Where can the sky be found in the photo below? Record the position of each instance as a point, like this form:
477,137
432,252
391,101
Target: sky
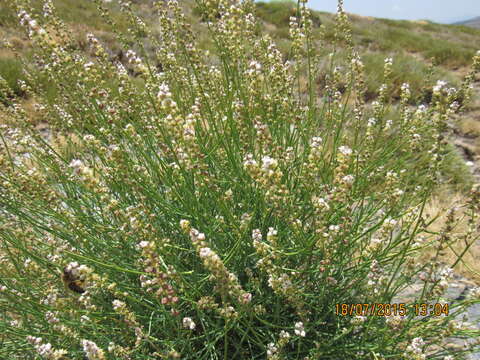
441,11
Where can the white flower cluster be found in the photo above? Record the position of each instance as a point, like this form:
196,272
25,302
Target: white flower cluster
442,277
51,298
316,142
414,351
132,57
315,152
285,335
375,244
33,27
76,164
272,235
185,225
249,162
226,281
474,293
48,8
345,150
254,68
79,272
46,350
357,63
188,323
86,173
207,252
281,283
65,116
272,349
358,320
269,165
437,89
136,61
445,273
88,66
320,203
165,97
348,179
357,323
51,317
405,90
374,277
256,235
476,61
395,322
262,248
300,329
118,305
92,351
92,40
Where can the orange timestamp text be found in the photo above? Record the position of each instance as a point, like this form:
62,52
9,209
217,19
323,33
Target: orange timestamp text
394,309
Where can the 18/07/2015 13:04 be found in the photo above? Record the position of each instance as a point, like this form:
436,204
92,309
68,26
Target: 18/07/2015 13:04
394,309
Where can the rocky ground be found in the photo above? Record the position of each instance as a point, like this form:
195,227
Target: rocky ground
467,133
459,289
467,140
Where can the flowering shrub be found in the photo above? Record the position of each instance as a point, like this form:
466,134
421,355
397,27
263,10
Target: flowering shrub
211,208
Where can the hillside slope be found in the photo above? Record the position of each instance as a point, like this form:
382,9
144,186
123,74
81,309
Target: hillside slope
413,45
475,22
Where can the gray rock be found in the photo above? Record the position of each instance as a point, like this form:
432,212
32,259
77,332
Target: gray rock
457,290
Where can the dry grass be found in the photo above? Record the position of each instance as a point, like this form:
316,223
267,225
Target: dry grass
29,106
6,53
469,267
470,125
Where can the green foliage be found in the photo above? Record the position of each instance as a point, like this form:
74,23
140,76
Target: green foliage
450,54
457,172
406,69
11,70
221,206
277,12
7,16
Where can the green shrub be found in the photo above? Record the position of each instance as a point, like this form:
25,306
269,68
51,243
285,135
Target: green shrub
277,12
221,208
450,54
405,69
6,16
458,172
11,70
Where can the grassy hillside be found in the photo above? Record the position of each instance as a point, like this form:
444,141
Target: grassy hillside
413,44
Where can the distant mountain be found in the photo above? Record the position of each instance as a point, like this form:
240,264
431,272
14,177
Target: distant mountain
475,22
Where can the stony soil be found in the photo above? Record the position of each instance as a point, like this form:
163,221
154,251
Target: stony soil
467,133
